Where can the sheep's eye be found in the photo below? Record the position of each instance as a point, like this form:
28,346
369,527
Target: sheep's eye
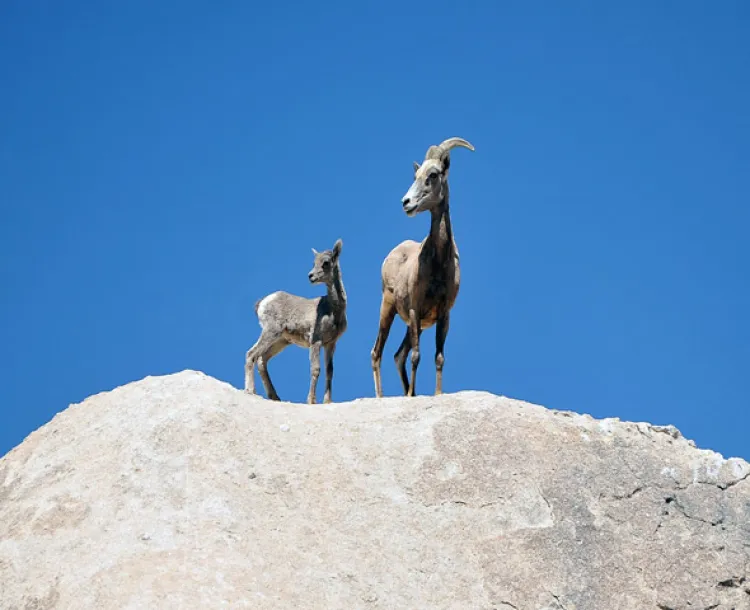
431,177
326,264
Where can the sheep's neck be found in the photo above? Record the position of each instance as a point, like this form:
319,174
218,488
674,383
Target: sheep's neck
337,294
441,232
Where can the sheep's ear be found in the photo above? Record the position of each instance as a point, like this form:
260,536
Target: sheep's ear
315,252
337,248
416,167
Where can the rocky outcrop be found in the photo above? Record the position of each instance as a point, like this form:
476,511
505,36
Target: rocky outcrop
182,492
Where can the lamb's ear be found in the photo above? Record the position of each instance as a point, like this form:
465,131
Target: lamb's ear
315,252
416,167
337,248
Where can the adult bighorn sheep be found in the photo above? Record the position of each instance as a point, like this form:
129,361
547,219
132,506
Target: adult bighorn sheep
312,323
420,281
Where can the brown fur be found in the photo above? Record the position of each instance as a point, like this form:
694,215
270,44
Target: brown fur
421,281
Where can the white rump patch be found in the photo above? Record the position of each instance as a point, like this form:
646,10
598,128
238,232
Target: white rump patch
264,303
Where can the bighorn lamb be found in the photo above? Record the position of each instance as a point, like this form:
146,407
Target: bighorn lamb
420,281
313,323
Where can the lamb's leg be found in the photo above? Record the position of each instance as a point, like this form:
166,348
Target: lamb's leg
400,358
387,313
330,350
249,372
274,349
441,332
314,372
415,329
264,342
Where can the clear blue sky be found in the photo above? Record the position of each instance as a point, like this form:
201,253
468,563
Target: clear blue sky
164,165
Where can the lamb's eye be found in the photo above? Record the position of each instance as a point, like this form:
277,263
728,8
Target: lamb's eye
326,264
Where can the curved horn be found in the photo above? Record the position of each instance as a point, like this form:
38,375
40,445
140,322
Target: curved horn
453,143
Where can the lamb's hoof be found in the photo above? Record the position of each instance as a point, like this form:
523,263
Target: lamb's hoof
249,392
327,400
274,397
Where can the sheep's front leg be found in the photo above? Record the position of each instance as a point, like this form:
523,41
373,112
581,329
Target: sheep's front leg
314,371
441,332
415,330
330,349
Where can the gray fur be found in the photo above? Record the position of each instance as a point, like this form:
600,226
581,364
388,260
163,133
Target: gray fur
420,281
311,323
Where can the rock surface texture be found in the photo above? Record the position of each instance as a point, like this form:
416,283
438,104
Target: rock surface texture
183,492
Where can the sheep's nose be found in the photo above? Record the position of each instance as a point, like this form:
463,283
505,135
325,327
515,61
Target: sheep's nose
309,276
405,201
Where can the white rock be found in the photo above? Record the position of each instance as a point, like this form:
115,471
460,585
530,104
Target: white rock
465,500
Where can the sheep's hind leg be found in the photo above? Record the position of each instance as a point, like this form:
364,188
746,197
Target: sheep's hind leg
274,349
400,358
264,342
387,313
415,329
